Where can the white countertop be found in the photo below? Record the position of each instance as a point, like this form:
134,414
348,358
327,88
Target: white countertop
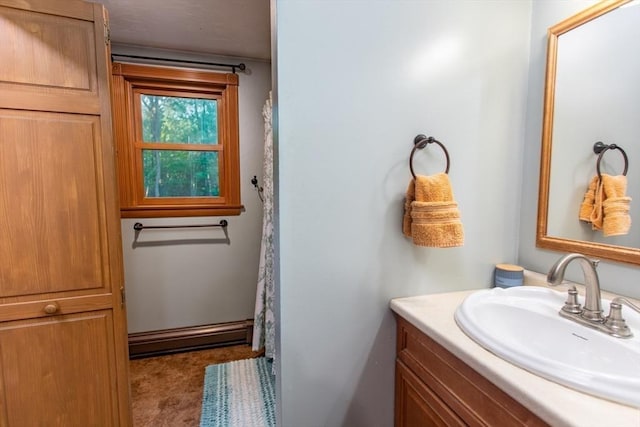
554,403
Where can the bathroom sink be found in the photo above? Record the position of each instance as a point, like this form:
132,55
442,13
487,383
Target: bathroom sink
522,326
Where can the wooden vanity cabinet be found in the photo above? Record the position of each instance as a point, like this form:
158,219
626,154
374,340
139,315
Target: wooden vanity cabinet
435,388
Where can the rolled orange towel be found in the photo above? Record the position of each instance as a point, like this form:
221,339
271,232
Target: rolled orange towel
431,216
616,220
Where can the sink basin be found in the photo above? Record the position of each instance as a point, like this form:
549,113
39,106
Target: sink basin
522,326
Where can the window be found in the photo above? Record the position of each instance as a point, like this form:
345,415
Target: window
176,135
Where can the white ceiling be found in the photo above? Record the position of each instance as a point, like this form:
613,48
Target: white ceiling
238,28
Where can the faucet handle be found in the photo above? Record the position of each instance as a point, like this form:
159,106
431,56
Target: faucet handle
614,321
571,305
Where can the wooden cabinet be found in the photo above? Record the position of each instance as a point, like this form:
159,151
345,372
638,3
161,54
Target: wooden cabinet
63,353
434,388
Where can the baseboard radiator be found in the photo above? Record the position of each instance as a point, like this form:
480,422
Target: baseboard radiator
167,341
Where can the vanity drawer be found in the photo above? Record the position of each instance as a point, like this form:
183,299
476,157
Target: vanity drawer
468,394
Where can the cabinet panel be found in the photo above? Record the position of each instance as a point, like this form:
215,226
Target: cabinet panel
45,41
417,405
50,57
50,205
58,371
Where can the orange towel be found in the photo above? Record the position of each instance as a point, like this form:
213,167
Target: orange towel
431,216
606,206
433,188
436,224
617,220
615,206
587,206
406,219
596,214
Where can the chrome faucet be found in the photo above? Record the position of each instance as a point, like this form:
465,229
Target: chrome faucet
591,314
592,305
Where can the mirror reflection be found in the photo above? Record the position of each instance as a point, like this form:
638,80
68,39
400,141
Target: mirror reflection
592,94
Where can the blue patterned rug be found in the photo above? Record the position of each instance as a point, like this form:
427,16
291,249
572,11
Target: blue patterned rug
239,394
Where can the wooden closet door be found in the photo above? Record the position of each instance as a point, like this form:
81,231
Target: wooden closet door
57,371
63,336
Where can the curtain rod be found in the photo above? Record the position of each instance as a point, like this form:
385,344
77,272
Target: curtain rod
241,66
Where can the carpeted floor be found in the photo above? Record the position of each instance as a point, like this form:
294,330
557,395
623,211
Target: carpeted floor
166,391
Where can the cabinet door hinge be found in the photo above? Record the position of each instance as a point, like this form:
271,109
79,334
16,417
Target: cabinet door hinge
123,296
107,34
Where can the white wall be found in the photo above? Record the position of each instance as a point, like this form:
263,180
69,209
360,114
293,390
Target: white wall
615,277
356,81
174,278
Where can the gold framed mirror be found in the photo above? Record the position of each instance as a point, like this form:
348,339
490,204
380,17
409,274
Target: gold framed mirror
563,161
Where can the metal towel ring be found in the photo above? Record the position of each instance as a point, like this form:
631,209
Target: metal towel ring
421,141
600,148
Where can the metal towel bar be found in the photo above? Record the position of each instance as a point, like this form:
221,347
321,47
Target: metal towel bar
139,226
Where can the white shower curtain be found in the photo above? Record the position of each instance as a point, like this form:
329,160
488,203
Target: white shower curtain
264,318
